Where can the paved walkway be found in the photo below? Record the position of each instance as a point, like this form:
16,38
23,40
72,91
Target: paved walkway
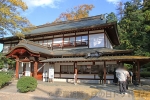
67,91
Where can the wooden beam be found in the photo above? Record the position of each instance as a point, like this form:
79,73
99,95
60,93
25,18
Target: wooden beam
104,72
105,39
138,71
17,67
75,40
93,62
60,72
52,42
35,67
76,71
88,39
63,42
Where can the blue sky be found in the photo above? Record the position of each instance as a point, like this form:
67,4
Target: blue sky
42,11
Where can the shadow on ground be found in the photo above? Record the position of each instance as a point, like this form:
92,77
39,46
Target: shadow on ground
65,95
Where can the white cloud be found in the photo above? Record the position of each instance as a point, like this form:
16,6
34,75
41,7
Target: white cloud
113,1
42,3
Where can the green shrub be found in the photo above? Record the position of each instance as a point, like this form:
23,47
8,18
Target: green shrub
4,78
145,74
26,84
148,69
11,73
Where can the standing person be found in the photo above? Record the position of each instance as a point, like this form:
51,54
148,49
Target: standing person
127,75
100,74
131,75
122,77
115,78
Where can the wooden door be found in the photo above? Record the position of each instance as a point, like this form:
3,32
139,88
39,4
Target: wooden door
40,71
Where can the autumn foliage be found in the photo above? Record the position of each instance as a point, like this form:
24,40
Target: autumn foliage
75,13
11,22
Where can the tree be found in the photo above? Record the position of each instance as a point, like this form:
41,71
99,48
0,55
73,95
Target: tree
11,22
135,28
111,17
120,10
4,61
75,13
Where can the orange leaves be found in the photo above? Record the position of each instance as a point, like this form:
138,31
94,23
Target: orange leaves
11,20
19,3
75,13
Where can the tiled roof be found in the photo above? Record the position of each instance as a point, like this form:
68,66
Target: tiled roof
37,48
32,47
73,25
83,51
103,58
66,25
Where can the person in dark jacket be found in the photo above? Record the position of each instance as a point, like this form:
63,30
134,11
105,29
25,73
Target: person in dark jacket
115,78
101,74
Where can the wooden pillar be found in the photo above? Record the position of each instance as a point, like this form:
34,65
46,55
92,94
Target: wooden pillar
17,68
88,39
75,72
63,42
35,69
138,71
104,72
93,62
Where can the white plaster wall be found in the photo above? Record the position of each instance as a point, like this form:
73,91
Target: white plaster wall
108,44
84,63
111,62
46,68
81,81
6,48
28,68
57,69
108,76
86,76
67,75
20,68
99,63
56,75
57,66
107,62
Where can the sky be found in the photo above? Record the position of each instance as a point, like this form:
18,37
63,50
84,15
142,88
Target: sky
46,11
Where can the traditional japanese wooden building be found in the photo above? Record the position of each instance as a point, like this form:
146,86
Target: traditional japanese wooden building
76,50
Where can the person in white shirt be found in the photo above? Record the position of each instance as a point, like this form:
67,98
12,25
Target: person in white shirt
122,75
127,77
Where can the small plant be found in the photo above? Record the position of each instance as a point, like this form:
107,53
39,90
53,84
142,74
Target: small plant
26,84
145,74
4,79
148,69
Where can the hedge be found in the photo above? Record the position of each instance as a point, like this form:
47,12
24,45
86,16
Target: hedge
4,78
148,69
145,74
26,84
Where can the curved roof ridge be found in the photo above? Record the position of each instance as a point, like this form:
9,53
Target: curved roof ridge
71,21
32,43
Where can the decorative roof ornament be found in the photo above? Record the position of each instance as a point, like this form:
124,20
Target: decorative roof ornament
94,54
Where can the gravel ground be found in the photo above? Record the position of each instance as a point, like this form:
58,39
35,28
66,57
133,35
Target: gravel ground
68,91
49,91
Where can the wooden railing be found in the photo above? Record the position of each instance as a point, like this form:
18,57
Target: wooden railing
70,44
